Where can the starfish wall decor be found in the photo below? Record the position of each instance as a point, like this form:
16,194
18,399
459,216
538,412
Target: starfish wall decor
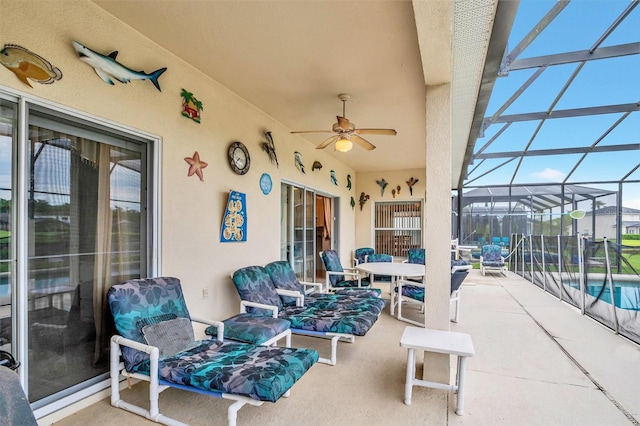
195,165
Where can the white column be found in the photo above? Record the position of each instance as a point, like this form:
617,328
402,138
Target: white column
437,225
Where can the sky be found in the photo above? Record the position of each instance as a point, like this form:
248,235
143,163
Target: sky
600,82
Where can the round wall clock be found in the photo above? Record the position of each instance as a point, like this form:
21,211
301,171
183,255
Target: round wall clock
265,183
239,159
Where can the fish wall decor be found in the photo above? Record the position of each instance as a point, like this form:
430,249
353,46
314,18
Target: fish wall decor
334,180
270,148
27,65
298,160
107,67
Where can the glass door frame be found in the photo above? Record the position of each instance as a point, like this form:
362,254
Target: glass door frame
19,256
288,243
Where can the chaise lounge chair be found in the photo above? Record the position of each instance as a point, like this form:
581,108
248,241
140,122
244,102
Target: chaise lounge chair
157,345
326,315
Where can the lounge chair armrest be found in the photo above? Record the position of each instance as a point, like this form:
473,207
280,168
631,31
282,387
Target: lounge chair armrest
292,293
310,287
345,273
153,351
461,268
244,304
218,324
143,347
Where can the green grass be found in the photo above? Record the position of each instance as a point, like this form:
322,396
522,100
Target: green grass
632,243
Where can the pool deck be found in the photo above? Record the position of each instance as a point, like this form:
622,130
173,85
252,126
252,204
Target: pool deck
539,361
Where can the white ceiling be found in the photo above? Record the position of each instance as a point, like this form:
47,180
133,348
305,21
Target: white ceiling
291,59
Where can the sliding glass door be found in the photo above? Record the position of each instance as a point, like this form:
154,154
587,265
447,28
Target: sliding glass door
306,228
74,220
8,131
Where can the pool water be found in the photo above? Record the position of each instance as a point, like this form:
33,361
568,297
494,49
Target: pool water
626,293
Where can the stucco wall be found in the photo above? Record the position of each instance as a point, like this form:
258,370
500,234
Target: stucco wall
191,210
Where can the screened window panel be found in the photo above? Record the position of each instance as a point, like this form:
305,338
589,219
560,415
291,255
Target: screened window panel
397,227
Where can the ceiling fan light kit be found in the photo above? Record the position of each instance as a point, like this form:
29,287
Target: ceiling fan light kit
343,144
346,132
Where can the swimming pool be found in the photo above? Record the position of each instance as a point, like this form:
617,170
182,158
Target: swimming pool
626,293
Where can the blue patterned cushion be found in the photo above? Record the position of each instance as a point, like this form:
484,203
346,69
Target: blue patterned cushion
249,328
352,284
254,284
361,253
459,262
380,257
492,256
413,292
416,255
329,320
263,373
284,277
360,292
331,262
335,313
350,301
137,302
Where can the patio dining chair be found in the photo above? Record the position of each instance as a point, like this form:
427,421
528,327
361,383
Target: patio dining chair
360,254
378,258
338,277
417,256
412,292
491,259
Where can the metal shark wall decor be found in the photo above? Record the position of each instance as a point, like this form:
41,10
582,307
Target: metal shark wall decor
27,65
107,67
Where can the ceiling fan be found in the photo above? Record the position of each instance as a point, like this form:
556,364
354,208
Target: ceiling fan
346,132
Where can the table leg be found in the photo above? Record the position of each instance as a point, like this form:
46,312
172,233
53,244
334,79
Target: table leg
462,364
393,297
411,361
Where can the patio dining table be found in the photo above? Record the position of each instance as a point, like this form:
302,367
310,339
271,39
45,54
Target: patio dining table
395,270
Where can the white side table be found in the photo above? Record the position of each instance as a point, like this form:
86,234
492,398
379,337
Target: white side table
443,342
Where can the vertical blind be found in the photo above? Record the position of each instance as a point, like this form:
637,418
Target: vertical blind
397,227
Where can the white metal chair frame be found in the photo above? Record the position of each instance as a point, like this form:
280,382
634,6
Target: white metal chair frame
455,297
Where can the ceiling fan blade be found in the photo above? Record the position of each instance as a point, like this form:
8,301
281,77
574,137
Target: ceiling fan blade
328,142
343,123
363,142
390,132
313,131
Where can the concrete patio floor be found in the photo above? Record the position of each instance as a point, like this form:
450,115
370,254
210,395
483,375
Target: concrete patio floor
540,362
537,362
